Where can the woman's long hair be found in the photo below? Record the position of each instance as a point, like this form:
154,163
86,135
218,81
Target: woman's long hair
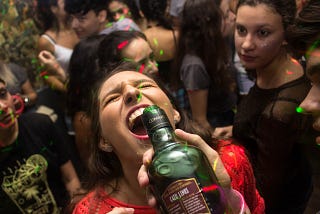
200,35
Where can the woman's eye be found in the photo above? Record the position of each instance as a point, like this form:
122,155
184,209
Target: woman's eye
145,85
3,93
111,99
241,30
263,33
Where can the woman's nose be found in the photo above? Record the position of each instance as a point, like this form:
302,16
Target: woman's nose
152,67
132,95
74,23
248,43
311,104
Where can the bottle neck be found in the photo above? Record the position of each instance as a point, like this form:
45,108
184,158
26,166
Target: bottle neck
162,138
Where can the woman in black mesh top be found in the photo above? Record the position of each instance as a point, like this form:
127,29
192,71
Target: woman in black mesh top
266,121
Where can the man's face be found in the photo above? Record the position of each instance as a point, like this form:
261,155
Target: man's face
88,24
7,110
311,104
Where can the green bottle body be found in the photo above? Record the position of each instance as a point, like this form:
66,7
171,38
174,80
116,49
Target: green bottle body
181,176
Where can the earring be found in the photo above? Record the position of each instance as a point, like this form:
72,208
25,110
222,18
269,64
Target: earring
105,146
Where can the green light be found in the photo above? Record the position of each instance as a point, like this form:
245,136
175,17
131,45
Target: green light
299,110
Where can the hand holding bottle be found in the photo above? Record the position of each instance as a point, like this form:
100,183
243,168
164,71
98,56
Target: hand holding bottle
236,201
194,140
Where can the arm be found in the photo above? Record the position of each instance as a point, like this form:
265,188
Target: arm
56,84
51,65
29,92
70,178
198,100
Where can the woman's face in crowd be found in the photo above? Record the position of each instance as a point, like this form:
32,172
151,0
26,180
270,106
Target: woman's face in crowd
7,110
259,35
311,103
122,99
119,10
139,51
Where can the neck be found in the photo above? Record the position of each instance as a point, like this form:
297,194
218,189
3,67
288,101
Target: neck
9,135
129,189
281,70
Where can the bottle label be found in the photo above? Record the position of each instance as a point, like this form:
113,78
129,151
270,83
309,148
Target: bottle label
184,196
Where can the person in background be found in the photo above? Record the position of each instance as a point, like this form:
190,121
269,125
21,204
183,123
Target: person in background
175,10
91,18
163,38
55,47
83,73
204,68
120,9
56,42
18,83
123,93
266,122
304,36
132,46
244,80
35,170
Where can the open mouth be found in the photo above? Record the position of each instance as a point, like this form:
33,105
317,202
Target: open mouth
135,124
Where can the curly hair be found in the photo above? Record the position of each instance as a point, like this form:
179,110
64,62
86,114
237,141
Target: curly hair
306,28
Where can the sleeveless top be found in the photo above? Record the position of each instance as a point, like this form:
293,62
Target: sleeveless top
61,53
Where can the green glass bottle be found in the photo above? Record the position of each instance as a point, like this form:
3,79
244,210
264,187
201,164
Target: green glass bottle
180,175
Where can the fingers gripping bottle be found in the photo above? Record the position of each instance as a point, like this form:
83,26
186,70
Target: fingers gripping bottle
181,176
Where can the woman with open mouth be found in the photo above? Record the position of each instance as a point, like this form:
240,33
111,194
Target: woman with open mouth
120,141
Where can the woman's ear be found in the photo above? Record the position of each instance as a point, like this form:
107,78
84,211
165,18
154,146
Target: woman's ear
176,116
54,9
102,16
105,146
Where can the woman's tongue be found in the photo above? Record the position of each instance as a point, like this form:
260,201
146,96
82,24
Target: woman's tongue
139,130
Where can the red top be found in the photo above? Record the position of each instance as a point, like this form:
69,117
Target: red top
100,203
235,162
241,173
